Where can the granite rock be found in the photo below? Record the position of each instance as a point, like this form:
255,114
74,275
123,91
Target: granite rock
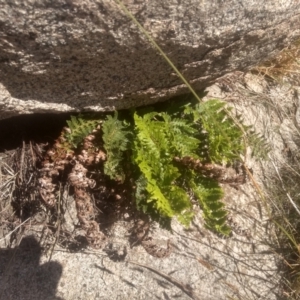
87,55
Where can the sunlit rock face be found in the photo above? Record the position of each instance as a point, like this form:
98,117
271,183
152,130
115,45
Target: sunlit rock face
82,55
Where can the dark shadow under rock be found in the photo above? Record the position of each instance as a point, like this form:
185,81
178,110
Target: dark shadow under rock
41,128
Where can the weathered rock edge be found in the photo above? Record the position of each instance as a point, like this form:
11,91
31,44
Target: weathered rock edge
80,55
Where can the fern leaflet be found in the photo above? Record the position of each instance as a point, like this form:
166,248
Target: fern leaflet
79,128
116,141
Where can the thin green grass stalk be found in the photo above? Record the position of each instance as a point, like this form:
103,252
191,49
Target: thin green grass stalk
152,41
261,194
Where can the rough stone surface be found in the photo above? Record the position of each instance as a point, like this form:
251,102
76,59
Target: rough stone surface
76,55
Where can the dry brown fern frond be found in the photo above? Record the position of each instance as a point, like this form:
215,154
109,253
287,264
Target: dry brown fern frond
84,205
220,173
56,160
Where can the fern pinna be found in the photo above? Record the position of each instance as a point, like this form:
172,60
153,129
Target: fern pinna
79,128
116,141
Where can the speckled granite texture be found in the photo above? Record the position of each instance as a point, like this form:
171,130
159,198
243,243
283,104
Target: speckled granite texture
75,55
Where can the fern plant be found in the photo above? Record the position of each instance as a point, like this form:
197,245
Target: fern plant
145,146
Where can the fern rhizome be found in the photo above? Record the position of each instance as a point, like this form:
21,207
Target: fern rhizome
174,155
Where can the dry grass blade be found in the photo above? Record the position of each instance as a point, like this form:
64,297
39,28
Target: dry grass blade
286,203
283,186
186,289
7,187
58,223
17,227
287,63
7,180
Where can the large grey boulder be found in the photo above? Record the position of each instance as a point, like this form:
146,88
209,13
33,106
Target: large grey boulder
79,55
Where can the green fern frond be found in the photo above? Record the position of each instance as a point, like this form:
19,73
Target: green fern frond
182,136
153,153
209,195
141,195
79,128
259,146
225,137
116,141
